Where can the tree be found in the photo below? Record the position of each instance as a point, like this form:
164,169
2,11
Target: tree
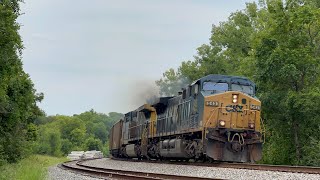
49,142
93,144
66,146
54,140
85,131
171,83
77,136
100,131
288,65
71,127
17,94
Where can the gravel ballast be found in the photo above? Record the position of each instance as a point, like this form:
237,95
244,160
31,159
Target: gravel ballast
56,173
199,171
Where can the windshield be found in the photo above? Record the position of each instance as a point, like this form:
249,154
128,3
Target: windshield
242,88
213,86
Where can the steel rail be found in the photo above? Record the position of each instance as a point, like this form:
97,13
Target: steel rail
262,167
77,166
268,167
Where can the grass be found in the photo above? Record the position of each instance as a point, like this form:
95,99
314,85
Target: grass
31,168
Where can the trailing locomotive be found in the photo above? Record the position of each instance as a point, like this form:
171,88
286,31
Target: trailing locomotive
217,117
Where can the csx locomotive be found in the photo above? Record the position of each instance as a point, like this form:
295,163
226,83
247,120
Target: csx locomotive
216,118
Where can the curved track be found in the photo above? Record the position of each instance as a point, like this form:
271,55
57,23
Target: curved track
77,166
263,167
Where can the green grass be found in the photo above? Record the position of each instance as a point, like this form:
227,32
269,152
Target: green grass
31,168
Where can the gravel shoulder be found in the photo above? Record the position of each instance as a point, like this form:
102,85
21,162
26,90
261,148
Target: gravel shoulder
199,171
56,173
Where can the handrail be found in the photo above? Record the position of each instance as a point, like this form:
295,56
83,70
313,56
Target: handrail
205,125
263,131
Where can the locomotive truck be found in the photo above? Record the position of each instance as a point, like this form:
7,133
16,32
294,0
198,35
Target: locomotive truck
215,118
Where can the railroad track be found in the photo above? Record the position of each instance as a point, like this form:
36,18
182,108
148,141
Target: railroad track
78,166
262,167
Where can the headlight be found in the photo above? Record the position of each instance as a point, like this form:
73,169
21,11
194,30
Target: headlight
222,123
234,98
251,125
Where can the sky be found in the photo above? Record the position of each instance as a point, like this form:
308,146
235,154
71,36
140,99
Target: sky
106,54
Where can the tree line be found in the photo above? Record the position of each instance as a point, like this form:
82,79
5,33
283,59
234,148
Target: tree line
18,98
59,135
276,43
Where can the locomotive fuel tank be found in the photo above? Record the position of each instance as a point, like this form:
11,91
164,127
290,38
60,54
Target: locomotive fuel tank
174,148
131,150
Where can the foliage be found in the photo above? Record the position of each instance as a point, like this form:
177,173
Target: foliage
313,158
49,142
93,144
171,83
276,44
17,94
33,167
59,135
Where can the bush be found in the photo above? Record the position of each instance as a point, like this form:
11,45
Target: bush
105,149
93,144
313,153
49,142
66,146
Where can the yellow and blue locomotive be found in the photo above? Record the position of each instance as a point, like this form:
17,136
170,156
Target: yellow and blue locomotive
217,117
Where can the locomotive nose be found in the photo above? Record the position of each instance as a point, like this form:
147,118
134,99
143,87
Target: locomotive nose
232,110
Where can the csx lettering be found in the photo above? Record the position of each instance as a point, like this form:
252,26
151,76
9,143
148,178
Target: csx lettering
234,108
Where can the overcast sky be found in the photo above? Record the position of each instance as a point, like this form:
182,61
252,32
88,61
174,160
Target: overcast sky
106,54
